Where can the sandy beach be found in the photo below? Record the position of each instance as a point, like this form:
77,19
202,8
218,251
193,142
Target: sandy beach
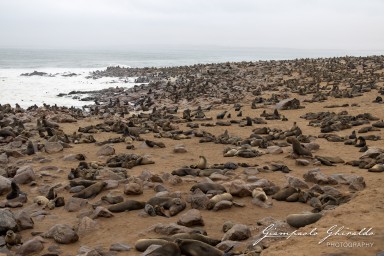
134,139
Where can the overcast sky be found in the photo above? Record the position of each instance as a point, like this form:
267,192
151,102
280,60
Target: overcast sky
109,24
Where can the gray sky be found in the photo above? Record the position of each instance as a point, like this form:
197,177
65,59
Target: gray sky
108,24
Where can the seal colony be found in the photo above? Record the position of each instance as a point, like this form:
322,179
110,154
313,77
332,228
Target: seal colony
199,160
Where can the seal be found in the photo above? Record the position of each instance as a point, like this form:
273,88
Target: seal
91,191
260,194
196,236
197,248
202,164
284,193
11,239
30,148
217,198
174,205
297,148
45,202
14,192
206,186
169,249
142,244
127,205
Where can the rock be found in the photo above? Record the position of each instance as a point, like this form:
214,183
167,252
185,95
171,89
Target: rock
120,247
24,175
7,221
223,204
74,204
31,247
101,212
5,185
238,232
191,218
316,176
62,234
302,162
356,182
218,177
304,219
199,200
24,220
274,150
133,189
372,153
291,103
71,157
179,149
106,150
239,188
53,147
296,182
86,226
3,158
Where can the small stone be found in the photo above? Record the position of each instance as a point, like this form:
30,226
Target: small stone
133,189
24,175
296,182
120,247
53,147
179,149
302,162
7,221
106,150
274,150
74,204
223,204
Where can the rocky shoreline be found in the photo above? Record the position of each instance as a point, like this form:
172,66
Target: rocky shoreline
200,160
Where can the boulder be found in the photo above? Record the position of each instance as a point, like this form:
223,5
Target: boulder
304,219
238,232
7,221
24,175
53,147
106,150
191,218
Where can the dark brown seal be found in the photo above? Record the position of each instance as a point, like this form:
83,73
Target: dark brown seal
128,205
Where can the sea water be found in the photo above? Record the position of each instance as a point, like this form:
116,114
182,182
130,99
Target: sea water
30,90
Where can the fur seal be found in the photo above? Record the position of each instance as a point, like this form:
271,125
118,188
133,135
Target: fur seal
30,148
297,148
11,239
174,205
142,244
202,164
260,194
205,187
191,247
127,205
301,220
45,202
169,249
196,236
91,191
15,191
217,198
284,193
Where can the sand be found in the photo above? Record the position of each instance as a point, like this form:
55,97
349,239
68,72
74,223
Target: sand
365,210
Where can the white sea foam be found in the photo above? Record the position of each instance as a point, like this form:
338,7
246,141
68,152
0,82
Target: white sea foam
30,90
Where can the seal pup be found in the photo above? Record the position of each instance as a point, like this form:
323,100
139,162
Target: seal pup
30,148
260,194
11,239
202,164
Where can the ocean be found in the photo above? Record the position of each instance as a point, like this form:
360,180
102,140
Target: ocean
30,90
